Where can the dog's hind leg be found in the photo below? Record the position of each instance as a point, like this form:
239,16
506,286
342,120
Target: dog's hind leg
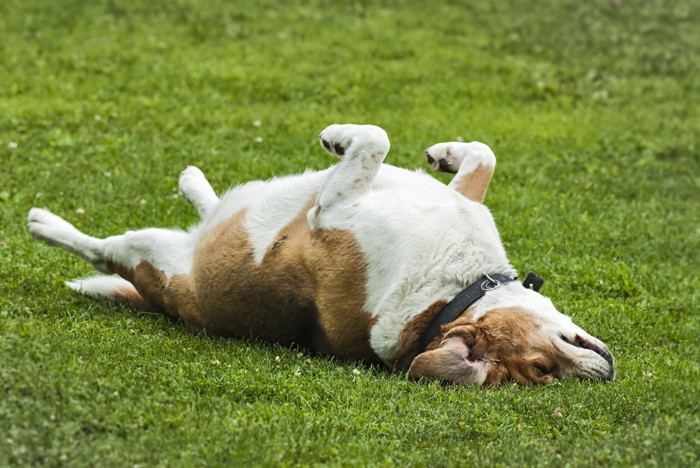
156,262
113,287
362,149
472,162
195,187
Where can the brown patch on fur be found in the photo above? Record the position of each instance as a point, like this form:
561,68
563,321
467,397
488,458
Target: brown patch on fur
151,284
154,292
474,184
124,272
146,294
181,301
239,298
410,341
338,268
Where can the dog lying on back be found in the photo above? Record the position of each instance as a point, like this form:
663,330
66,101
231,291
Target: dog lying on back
362,261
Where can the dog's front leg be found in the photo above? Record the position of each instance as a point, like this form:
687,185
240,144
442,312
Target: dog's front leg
473,164
362,149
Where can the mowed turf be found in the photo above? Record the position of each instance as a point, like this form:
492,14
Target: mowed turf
591,108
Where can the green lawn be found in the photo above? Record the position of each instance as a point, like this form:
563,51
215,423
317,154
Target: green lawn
592,110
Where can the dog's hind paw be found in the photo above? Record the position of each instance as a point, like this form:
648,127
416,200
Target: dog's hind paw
47,226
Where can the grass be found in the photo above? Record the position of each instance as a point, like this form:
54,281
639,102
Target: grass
592,110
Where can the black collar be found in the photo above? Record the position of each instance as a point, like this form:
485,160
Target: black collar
462,302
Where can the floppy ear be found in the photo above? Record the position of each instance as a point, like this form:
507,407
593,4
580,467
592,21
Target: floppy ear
449,362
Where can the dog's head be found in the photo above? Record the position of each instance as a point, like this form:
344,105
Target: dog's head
515,334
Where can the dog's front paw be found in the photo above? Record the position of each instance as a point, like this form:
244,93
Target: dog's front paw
448,157
340,139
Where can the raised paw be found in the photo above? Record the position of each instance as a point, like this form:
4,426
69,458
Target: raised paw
49,227
449,157
195,187
340,140
191,180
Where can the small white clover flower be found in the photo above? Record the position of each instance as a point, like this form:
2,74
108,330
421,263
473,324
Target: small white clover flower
356,371
259,139
257,123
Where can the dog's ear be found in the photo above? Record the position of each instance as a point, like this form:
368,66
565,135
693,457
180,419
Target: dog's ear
451,361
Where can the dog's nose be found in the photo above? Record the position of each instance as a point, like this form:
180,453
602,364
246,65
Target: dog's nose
431,160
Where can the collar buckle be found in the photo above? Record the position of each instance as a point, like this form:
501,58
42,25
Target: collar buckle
489,284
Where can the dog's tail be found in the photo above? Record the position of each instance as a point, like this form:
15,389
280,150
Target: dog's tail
113,287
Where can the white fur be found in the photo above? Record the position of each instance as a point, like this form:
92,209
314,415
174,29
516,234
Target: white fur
196,188
276,206
101,285
516,295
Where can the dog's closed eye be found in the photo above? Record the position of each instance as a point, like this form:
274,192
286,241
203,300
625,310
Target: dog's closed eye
541,368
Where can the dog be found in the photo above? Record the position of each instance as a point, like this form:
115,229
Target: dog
362,261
